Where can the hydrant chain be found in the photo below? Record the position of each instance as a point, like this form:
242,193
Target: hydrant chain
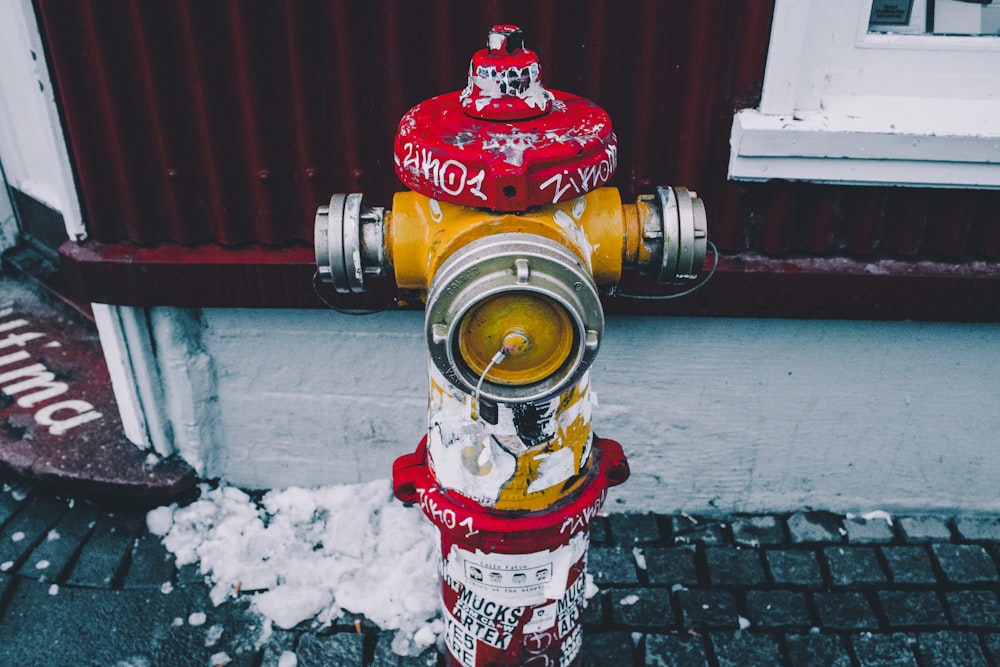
497,358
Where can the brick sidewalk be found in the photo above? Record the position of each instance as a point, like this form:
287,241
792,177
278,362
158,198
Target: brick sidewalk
80,585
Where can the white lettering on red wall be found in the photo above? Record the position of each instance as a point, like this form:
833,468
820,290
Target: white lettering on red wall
25,378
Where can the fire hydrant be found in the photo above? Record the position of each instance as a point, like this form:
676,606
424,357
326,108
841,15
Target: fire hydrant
509,234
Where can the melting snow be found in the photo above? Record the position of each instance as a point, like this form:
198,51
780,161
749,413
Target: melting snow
640,558
874,515
310,555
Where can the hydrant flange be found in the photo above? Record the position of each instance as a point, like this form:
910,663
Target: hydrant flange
489,291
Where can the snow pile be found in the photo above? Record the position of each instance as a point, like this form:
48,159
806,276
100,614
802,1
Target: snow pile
313,554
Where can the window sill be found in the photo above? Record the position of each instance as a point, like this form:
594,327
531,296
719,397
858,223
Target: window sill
850,144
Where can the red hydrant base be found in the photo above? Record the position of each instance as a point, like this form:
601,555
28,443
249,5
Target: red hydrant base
513,583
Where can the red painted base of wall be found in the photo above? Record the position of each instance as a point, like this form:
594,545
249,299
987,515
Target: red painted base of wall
745,285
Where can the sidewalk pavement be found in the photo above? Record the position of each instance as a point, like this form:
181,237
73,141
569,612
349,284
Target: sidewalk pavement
82,584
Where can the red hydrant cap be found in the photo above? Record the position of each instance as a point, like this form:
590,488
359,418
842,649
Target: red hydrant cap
505,79
505,143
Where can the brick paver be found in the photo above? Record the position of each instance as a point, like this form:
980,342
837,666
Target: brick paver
779,609
907,609
756,531
641,608
950,649
606,648
794,568
868,531
909,565
628,530
884,650
806,527
845,611
734,566
745,649
854,566
612,566
671,565
674,650
708,608
974,609
817,650
692,530
978,528
106,549
965,563
924,528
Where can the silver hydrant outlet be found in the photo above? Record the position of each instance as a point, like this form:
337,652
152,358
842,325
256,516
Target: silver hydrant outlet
510,265
349,244
677,234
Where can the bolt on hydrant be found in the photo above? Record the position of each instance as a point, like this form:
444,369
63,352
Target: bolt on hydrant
509,233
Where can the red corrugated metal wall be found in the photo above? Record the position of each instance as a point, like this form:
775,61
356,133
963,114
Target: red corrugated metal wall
229,121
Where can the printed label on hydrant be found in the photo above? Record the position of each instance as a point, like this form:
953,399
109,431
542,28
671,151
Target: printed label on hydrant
550,634
538,598
461,643
523,579
487,621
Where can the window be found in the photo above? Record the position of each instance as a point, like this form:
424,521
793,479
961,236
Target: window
861,94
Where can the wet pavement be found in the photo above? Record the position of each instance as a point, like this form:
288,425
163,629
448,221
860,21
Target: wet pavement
86,584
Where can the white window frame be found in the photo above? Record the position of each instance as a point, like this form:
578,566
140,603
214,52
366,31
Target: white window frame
32,146
840,105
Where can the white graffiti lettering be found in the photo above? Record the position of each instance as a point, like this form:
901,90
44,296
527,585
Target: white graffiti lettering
487,621
461,644
467,522
582,519
445,516
571,605
35,384
451,176
83,413
587,178
571,647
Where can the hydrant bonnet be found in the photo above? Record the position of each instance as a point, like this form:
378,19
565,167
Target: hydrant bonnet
505,143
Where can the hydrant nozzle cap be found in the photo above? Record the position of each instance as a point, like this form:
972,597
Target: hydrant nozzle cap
505,37
505,79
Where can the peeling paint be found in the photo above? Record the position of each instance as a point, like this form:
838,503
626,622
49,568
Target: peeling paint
435,207
576,234
491,84
511,145
531,451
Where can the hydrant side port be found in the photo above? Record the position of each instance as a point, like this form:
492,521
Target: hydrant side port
663,235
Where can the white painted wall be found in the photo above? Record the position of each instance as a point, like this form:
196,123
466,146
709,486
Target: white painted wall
715,414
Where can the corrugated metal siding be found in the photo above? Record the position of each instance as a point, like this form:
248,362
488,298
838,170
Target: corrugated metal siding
229,121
